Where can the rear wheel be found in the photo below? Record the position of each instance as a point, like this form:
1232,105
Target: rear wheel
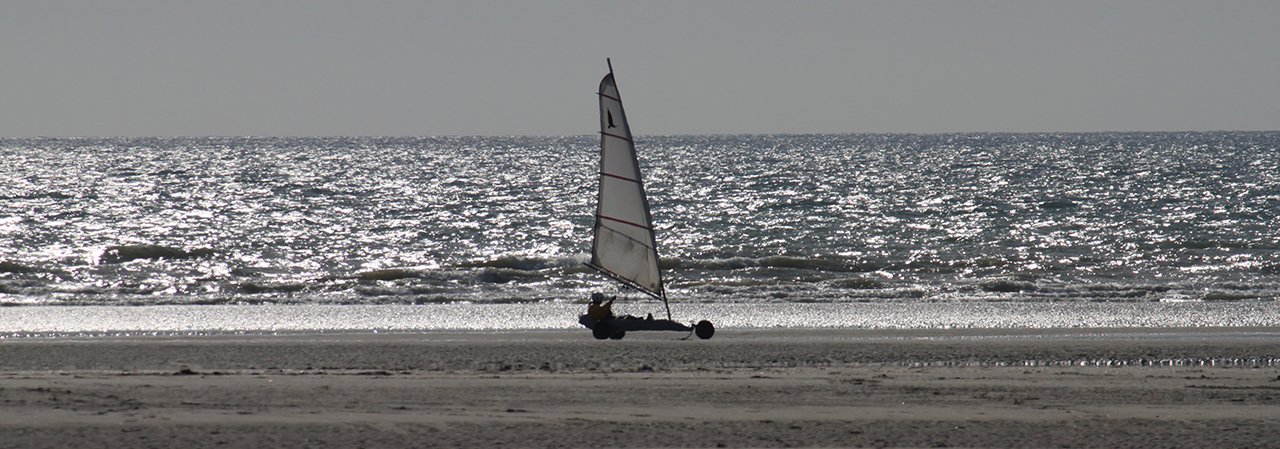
704,329
602,330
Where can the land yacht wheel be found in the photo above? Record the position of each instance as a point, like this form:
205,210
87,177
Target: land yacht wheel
602,330
704,329
617,335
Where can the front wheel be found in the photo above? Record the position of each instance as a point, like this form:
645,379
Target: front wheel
602,330
704,329
617,335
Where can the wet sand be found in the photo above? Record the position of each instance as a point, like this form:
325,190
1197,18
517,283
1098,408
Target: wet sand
766,388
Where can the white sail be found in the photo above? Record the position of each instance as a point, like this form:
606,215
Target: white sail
624,247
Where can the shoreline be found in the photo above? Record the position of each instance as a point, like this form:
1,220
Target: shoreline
91,320
743,388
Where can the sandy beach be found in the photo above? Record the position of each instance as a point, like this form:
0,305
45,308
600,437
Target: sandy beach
1144,387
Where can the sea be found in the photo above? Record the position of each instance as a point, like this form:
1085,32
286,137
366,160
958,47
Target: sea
108,236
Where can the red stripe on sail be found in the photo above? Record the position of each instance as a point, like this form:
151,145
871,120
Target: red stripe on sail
637,181
615,135
627,223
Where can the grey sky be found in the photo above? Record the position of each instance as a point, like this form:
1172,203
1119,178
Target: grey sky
408,68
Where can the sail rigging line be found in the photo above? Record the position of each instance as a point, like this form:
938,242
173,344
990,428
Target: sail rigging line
629,283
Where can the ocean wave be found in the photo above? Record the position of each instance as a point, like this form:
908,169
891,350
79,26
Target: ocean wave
254,287
40,196
126,253
385,275
857,283
1009,286
510,278
524,263
1212,244
479,275
1058,204
817,264
852,264
14,267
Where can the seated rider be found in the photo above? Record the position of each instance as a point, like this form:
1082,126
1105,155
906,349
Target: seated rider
603,310
599,309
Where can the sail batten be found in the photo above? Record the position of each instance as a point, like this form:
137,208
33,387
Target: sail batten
624,246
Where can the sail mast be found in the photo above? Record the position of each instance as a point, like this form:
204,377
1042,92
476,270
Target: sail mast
624,247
